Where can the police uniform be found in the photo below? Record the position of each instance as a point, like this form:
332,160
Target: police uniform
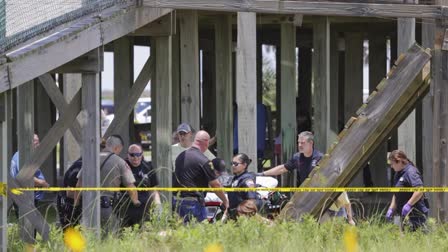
193,169
69,215
303,165
145,176
411,177
244,180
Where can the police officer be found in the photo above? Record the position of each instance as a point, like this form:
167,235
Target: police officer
145,176
410,204
194,169
242,179
303,161
69,215
114,172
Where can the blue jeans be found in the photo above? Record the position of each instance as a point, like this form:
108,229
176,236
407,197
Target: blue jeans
188,209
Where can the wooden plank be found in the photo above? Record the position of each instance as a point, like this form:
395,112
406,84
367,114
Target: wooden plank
305,7
208,87
224,87
45,117
162,105
333,123
321,77
393,101
428,35
189,68
68,44
25,135
61,104
91,152
246,86
137,89
377,71
123,80
407,130
163,26
4,77
91,62
175,80
440,121
5,122
288,93
72,151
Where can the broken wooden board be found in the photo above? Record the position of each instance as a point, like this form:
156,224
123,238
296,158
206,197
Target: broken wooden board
388,106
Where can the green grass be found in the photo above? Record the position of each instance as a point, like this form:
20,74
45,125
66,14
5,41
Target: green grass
253,235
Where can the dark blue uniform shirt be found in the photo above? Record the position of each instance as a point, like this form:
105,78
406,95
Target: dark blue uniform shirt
303,164
241,181
408,177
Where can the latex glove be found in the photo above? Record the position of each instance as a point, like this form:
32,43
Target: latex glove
390,214
406,209
260,174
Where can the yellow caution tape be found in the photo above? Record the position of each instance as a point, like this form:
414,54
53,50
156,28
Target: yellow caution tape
277,189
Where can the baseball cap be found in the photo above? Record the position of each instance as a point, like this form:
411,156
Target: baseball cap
183,127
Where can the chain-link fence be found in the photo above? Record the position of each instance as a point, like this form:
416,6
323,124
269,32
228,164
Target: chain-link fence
21,20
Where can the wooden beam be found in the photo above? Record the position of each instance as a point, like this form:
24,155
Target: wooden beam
377,71
428,39
123,80
59,101
72,148
288,93
45,116
407,130
5,123
395,97
91,62
353,81
246,86
333,123
68,44
162,105
305,97
306,8
25,135
175,80
224,86
321,77
91,152
189,68
137,89
163,26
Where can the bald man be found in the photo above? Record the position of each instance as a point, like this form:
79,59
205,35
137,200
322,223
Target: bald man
194,169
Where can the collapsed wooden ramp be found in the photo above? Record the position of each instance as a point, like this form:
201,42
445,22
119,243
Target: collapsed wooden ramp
394,98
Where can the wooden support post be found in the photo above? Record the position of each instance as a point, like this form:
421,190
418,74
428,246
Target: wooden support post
91,151
162,106
406,131
5,123
123,80
353,81
288,95
305,73
428,35
333,129
224,87
246,86
208,87
72,151
25,134
321,77
377,71
175,63
440,121
189,68
45,117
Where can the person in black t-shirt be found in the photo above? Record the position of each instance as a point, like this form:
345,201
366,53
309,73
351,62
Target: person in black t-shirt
303,161
145,176
69,215
410,204
193,169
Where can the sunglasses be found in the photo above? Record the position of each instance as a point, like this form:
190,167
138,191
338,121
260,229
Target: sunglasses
235,163
135,154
